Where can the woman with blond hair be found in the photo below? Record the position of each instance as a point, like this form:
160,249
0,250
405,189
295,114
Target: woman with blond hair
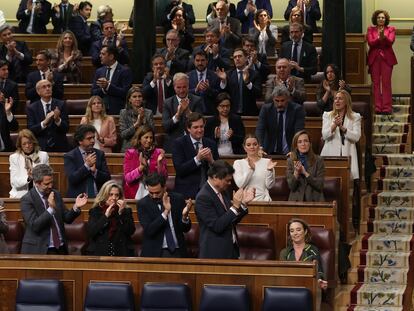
105,125
110,223
66,58
27,156
341,130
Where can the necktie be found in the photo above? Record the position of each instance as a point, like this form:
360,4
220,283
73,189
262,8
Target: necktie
200,77
197,146
90,182
240,110
43,76
108,73
64,17
285,83
279,142
48,108
168,235
160,96
220,196
295,52
53,227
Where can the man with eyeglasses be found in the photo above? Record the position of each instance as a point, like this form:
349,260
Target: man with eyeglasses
176,58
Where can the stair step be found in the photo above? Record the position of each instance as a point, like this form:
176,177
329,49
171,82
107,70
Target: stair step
391,184
388,148
387,243
397,159
391,226
389,138
387,128
394,118
378,295
396,199
376,259
397,171
393,213
382,275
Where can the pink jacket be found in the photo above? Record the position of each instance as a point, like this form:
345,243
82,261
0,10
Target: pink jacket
132,176
381,47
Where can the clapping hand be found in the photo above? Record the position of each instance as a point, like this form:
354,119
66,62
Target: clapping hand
271,165
342,84
122,205
187,208
8,104
221,74
81,200
166,203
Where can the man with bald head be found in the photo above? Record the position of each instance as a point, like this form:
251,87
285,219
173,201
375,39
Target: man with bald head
48,120
295,85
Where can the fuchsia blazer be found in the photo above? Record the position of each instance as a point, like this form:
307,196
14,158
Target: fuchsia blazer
132,175
381,47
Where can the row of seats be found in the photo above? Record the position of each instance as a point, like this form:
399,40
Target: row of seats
48,295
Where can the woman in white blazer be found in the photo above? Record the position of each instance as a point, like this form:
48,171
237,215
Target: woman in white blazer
341,130
27,156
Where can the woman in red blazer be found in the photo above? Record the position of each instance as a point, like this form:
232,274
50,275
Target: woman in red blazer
381,59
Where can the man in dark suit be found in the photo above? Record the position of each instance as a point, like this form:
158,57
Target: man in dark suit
157,85
85,166
257,60
44,215
112,81
279,121
61,15
247,8
192,154
16,53
302,55
243,84
7,120
44,72
204,82
217,56
48,120
212,14
79,26
33,16
176,109
217,215
176,58
110,38
8,88
311,9
164,217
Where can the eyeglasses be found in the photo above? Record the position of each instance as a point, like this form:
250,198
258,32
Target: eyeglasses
297,15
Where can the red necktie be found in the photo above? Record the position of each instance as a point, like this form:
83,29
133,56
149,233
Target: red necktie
160,97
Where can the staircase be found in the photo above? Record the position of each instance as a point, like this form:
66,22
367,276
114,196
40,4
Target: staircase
383,278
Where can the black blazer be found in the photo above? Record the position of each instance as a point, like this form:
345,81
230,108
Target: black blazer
40,20
61,23
121,81
188,175
235,123
232,8
18,68
216,224
180,62
123,55
209,96
249,96
188,9
308,59
98,233
267,128
6,127
78,174
52,138
222,61
82,33
34,77
151,94
10,89
175,130
285,34
154,225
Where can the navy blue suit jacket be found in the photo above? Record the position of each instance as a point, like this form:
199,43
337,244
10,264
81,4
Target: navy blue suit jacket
10,89
78,174
123,57
40,20
222,61
34,77
247,21
114,97
188,175
151,94
209,96
52,138
61,23
180,61
154,225
308,59
18,68
82,33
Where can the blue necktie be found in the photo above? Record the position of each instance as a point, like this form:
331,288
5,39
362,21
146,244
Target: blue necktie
169,236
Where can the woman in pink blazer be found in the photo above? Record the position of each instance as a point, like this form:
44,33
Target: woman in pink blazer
140,160
105,125
381,59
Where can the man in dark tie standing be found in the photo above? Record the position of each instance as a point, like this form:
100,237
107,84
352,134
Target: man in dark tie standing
217,215
85,166
33,16
44,215
164,217
61,14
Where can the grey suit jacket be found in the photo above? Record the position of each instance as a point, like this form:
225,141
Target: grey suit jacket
298,95
38,221
308,189
233,39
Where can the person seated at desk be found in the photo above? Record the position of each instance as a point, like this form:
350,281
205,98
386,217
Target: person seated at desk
4,228
105,125
110,223
133,116
22,162
140,160
66,59
254,171
305,172
300,248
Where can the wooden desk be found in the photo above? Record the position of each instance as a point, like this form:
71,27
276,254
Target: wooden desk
76,272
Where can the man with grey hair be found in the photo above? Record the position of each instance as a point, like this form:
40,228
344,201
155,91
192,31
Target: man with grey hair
44,214
177,107
176,58
279,121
